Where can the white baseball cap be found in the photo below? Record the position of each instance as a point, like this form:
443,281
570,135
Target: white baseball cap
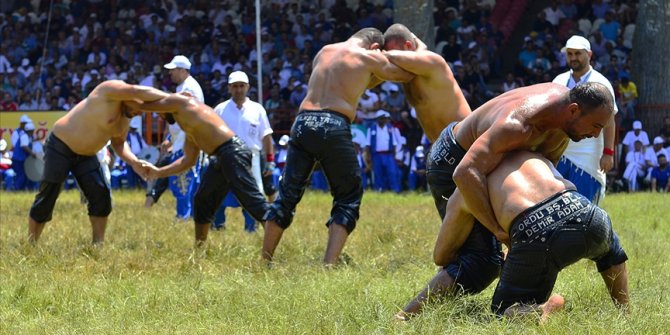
25,119
283,140
178,61
659,140
29,126
238,77
577,42
637,125
382,113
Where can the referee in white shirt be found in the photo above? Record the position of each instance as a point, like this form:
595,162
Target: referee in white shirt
248,119
586,162
179,69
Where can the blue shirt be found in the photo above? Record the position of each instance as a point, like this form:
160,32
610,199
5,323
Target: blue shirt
662,176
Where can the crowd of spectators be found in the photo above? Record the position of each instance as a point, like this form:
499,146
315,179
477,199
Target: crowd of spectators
91,41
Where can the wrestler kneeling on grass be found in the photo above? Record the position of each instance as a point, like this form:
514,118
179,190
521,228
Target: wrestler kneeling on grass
551,226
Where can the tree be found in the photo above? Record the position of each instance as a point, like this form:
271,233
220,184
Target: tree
417,15
651,63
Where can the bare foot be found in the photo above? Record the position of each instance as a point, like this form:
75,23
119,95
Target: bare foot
402,316
555,303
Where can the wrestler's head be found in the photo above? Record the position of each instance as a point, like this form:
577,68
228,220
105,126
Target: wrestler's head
591,109
399,37
372,38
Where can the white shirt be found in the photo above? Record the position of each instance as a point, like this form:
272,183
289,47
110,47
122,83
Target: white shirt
630,138
586,153
250,122
188,85
383,138
652,156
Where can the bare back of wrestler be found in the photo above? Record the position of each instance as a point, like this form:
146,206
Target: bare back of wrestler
434,92
342,72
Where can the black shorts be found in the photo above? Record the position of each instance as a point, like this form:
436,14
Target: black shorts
479,259
548,237
59,160
323,136
445,154
229,169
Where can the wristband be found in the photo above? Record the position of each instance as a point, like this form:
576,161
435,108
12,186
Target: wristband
270,158
608,151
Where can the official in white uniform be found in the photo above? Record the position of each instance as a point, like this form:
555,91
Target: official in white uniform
586,162
182,185
249,121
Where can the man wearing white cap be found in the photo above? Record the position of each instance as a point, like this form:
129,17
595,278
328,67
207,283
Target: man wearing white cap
25,119
637,134
22,149
383,141
172,148
249,120
652,153
586,162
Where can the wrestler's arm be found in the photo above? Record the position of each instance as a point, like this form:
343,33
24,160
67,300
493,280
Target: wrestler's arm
191,152
616,280
454,231
122,149
482,157
119,90
555,155
609,133
422,63
168,104
383,69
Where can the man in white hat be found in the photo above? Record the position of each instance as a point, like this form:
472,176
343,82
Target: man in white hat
25,119
172,147
637,134
586,162
383,142
73,144
22,149
652,153
249,120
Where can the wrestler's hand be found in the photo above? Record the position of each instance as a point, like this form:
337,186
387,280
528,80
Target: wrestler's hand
606,163
165,147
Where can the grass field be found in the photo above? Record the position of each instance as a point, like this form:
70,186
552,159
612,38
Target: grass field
148,279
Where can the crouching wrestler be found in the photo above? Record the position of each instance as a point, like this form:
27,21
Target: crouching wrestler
551,227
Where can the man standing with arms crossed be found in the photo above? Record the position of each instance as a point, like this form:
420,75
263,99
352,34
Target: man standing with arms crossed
586,162
179,69
249,120
322,132
73,144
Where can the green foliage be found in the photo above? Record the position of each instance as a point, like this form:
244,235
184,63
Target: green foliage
148,278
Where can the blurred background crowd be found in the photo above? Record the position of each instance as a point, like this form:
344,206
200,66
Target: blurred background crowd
90,41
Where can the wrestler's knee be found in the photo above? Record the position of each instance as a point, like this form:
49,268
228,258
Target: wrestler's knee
97,193
279,214
45,200
100,203
344,217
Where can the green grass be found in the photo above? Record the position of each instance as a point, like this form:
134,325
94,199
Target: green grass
148,279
